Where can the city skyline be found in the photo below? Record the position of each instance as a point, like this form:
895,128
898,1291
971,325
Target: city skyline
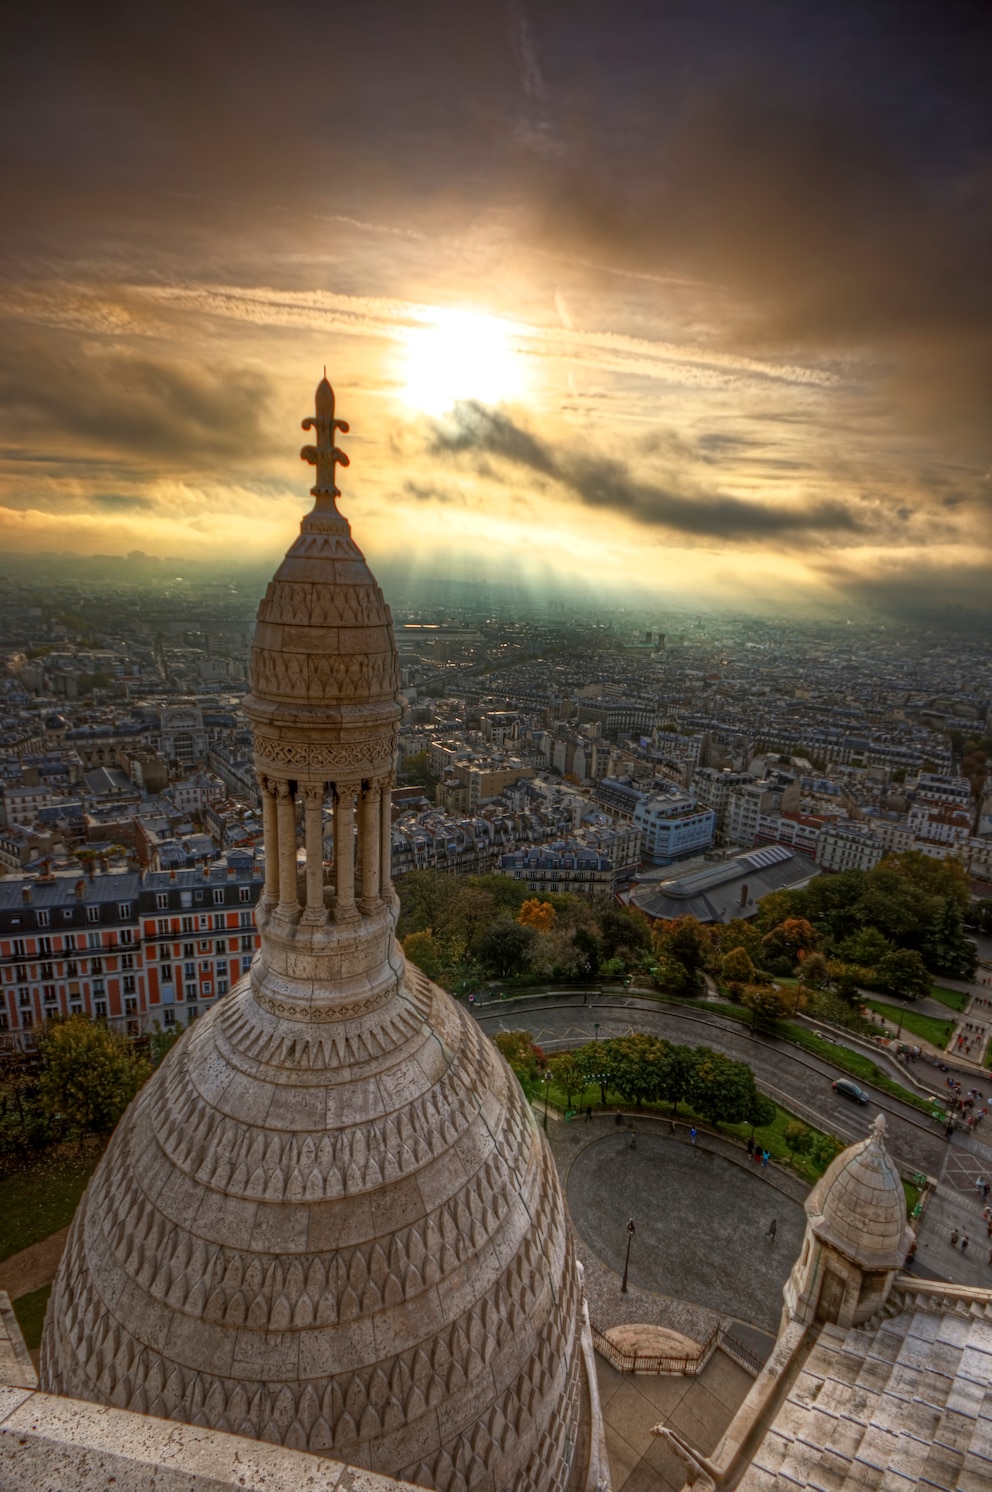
692,307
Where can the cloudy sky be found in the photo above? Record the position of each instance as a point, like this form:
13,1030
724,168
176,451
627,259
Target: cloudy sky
689,297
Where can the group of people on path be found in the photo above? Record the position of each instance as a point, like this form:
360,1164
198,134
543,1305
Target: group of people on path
759,1156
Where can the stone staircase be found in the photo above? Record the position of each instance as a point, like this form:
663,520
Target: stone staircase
903,1402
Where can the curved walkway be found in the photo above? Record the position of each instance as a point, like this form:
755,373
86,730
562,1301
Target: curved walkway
700,1254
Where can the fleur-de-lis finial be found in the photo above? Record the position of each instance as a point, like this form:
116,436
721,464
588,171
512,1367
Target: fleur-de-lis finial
325,455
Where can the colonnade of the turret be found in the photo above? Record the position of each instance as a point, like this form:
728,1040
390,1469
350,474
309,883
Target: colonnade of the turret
360,880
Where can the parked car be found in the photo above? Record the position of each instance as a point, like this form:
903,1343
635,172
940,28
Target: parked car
847,1089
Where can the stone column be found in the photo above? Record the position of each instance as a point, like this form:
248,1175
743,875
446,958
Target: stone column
385,832
344,851
270,839
368,838
286,809
313,819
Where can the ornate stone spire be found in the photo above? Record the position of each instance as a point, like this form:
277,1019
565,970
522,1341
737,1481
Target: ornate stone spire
325,455
329,1219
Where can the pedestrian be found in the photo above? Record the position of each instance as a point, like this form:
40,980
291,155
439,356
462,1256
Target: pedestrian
765,1158
911,1254
692,1136
954,1238
671,1127
964,1244
750,1149
588,1112
618,1117
772,1229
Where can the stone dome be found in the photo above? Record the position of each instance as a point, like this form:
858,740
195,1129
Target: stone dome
329,1219
859,1205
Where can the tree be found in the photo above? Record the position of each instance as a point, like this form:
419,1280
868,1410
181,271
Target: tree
903,972
89,1074
161,1041
679,1071
946,877
760,1113
505,948
740,934
636,1066
945,947
736,967
589,953
814,971
767,1004
722,1090
537,914
569,1073
687,941
865,946
792,939
422,949
624,933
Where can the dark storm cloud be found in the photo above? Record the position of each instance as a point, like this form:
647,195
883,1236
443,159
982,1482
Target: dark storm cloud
848,219
77,403
603,482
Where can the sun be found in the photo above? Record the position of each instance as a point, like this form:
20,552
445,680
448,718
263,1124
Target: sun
460,355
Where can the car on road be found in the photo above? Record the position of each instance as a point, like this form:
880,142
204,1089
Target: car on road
847,1089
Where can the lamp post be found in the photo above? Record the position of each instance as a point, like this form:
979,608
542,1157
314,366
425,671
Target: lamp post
631,1230
595,1030
547,1080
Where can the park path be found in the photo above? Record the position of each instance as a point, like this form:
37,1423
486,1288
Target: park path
34,1266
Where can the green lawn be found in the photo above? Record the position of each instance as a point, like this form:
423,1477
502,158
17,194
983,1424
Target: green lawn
30,1312
930,1027
855,1063
954,999
40,1197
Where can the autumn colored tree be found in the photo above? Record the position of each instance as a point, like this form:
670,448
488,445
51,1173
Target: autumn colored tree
736,967
540,915
792,939
686,941
767,1004
814,971
89,1074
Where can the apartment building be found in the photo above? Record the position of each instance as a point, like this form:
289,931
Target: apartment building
122,948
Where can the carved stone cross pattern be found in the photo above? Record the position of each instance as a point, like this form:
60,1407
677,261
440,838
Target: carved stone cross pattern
325,455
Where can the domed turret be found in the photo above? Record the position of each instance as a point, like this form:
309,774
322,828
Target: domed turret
329,1219
857,1236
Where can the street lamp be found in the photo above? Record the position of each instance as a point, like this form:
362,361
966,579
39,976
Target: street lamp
547,1080
631,1230
595,1029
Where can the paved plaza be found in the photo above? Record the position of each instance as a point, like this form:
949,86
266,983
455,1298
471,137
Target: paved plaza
702,1220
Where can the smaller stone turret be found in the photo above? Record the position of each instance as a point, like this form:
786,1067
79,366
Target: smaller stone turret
856,1238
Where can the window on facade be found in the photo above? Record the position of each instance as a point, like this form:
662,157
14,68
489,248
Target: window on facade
127,960
127,935
222,986
206,987
219,922
246,944
99,988
48,994
24,997
130,1007
246,963
20,948
186,898
220,946
187,950
42,919
96,966
189,971
165,973
245,919
191,1012
187,924
71,969
67,914
124,911
161,900
245,893
4,1023
99,1010
94,940
129,984
75,1008
27,1019
218,896
168,1017
93,914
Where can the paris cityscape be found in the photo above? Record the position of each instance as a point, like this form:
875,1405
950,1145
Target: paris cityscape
495,745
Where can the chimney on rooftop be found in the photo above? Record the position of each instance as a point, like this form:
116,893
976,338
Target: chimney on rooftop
26,895
80,888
